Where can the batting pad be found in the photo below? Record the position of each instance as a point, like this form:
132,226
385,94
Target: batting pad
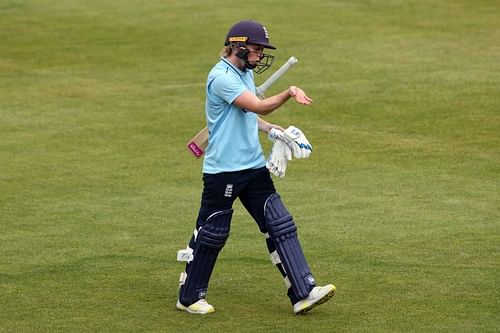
283,232
210,240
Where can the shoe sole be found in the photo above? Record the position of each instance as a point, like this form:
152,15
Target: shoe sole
181,307
322,300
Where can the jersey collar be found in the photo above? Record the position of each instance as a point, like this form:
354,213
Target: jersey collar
233,67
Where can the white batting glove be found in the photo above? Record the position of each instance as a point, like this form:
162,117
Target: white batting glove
298,142
275,134
278,158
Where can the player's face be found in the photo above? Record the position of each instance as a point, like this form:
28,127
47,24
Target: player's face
256,53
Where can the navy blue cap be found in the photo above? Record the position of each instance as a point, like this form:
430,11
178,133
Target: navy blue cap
249,32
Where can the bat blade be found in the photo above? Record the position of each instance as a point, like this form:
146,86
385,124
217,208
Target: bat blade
199,143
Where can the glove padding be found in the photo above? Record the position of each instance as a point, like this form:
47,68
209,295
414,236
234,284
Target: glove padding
278,158
275,134
297,142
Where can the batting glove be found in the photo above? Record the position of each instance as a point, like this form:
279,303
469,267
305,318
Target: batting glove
278,158
275,134
298,142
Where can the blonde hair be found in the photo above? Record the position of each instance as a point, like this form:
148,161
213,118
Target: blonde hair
226,51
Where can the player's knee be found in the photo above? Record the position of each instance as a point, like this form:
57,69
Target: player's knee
215,231
279,221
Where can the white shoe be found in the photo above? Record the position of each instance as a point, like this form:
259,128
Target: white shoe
200,307
317,296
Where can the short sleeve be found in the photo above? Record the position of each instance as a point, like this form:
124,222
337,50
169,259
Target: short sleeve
227,87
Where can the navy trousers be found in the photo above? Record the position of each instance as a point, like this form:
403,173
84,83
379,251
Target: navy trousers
252,187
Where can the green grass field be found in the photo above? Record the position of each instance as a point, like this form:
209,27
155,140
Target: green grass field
399,205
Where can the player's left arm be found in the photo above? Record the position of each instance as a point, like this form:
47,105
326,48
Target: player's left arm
265,126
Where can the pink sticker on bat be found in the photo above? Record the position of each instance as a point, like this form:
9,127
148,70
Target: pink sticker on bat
197,151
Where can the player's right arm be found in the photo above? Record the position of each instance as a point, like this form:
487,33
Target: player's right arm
251,102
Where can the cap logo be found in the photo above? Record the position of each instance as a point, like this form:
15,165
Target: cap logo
238,39
265,31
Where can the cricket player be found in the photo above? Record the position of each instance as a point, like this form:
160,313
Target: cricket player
234,167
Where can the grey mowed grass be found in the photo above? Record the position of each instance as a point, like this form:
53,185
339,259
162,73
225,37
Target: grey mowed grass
397,206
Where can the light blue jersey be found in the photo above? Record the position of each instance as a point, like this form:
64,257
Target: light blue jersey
233,141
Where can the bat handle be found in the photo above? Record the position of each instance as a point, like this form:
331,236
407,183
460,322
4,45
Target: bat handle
260,90
292,61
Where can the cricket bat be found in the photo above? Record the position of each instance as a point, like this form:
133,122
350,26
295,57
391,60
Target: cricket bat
199,143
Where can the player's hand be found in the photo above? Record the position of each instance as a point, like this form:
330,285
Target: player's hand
278,158
297,142
299,95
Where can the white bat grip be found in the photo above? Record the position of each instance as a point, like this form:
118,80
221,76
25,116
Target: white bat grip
260,90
